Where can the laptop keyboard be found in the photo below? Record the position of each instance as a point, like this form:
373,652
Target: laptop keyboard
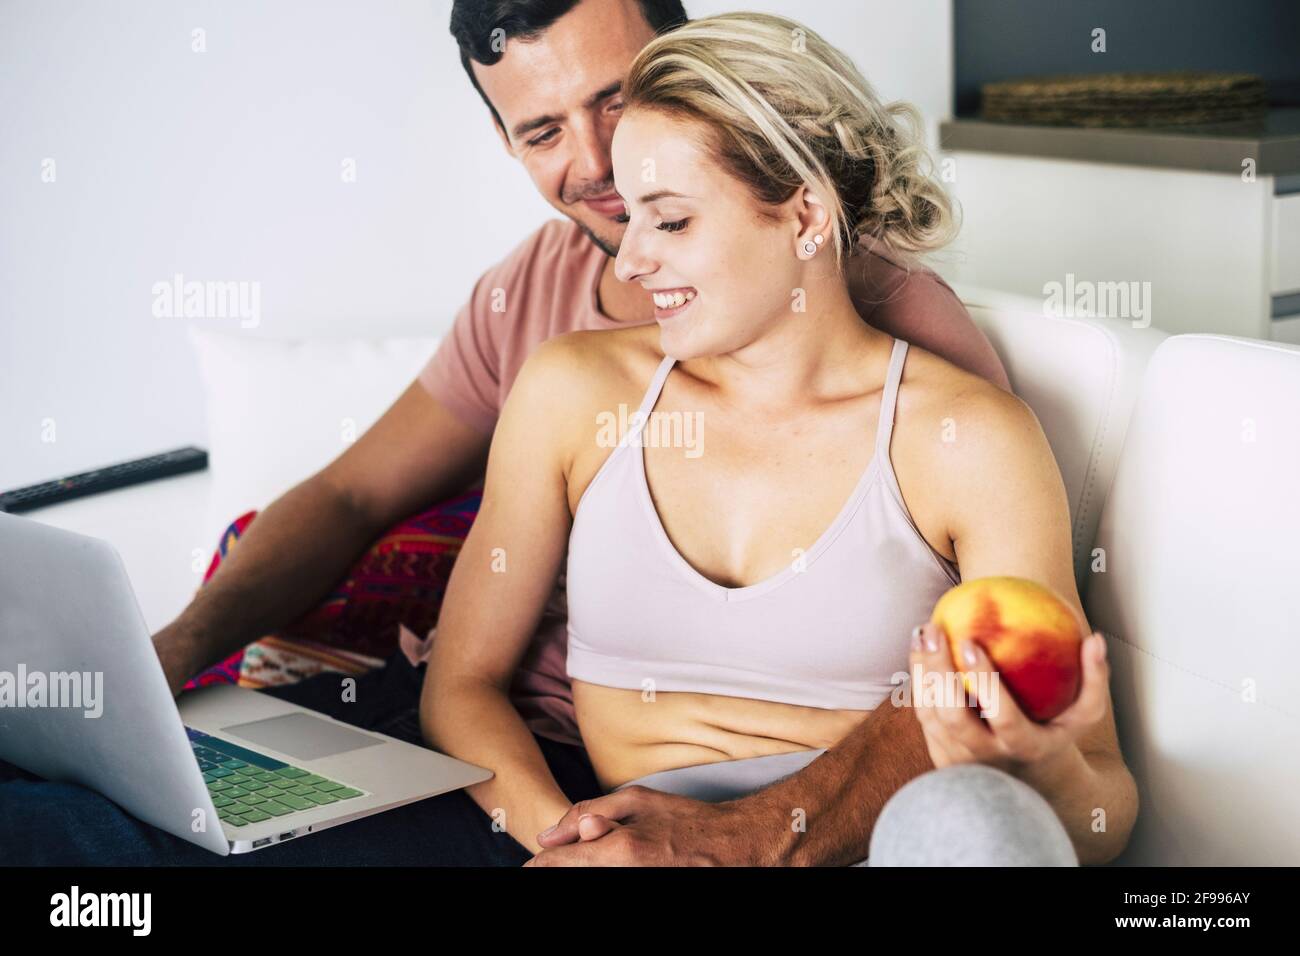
249,787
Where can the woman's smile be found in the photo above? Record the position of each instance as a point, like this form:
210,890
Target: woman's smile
671,303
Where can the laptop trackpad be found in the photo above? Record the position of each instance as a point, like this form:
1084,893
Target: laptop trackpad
302,736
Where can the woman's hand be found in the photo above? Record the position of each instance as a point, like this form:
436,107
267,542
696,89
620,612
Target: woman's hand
1004,738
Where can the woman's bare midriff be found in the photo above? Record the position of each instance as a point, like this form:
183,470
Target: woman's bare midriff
629,733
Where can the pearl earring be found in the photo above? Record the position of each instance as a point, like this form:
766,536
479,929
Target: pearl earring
810,247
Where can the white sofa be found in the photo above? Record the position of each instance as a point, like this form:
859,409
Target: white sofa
1180,456
1201,593
1196,524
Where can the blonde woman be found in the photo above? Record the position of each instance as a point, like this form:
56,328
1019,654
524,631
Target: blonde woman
741,603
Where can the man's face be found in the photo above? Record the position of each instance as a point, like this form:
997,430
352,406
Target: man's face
559,98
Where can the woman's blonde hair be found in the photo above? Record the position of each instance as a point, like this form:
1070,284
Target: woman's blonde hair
785,109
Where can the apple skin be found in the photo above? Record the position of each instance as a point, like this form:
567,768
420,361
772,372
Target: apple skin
1031,636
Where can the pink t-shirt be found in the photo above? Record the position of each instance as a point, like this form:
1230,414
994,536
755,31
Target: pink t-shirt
548,286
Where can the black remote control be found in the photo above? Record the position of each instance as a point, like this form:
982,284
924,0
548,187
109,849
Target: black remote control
104,479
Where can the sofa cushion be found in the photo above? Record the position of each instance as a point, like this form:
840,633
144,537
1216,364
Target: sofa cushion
1081,377
1199,600
280,410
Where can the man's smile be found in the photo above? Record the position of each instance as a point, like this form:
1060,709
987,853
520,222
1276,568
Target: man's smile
609,205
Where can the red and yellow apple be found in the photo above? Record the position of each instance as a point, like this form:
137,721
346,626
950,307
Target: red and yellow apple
1031,636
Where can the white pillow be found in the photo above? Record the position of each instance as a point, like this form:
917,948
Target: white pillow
280,410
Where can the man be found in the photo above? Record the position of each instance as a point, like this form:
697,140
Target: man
549,72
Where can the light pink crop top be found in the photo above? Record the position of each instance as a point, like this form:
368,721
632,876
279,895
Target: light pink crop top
830,630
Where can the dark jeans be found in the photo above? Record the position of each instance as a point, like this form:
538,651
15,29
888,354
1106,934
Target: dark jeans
63,824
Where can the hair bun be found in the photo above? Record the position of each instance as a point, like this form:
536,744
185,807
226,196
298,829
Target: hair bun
787,109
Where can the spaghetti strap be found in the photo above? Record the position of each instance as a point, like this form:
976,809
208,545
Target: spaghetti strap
888,401
651,397
657,384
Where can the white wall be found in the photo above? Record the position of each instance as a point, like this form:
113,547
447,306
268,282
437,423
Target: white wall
226,165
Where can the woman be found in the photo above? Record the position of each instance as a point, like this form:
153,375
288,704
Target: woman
746,563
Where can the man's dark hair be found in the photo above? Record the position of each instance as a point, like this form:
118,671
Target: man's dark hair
473,23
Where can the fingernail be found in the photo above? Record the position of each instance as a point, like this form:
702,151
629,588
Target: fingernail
583,817
931,639
1101,638
916,638
548,831
968,652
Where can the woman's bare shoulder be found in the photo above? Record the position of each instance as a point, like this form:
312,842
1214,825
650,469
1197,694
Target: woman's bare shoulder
587,363
959,442
931,382
569,379
955,421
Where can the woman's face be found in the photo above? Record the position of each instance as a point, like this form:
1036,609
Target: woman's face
695,236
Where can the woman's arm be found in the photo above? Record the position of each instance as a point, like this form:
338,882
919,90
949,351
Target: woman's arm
498,589
1009,515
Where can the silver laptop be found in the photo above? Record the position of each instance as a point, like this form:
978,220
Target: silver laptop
83,699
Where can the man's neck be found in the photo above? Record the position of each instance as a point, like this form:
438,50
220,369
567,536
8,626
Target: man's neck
622,301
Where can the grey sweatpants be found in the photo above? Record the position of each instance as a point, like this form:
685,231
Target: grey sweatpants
961,815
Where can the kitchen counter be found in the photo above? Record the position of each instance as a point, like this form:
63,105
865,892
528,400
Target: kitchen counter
1273,142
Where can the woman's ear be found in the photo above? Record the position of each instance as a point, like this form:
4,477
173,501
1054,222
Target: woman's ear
813,220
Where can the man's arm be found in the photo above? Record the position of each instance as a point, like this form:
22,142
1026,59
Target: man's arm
417,453
840,794
922,309
822,815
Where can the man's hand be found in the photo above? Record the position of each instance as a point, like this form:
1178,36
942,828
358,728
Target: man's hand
637,826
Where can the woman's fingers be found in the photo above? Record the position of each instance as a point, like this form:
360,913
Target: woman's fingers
1090,706
953,732
1012,731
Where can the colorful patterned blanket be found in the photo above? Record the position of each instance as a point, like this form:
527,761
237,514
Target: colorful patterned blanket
399,581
